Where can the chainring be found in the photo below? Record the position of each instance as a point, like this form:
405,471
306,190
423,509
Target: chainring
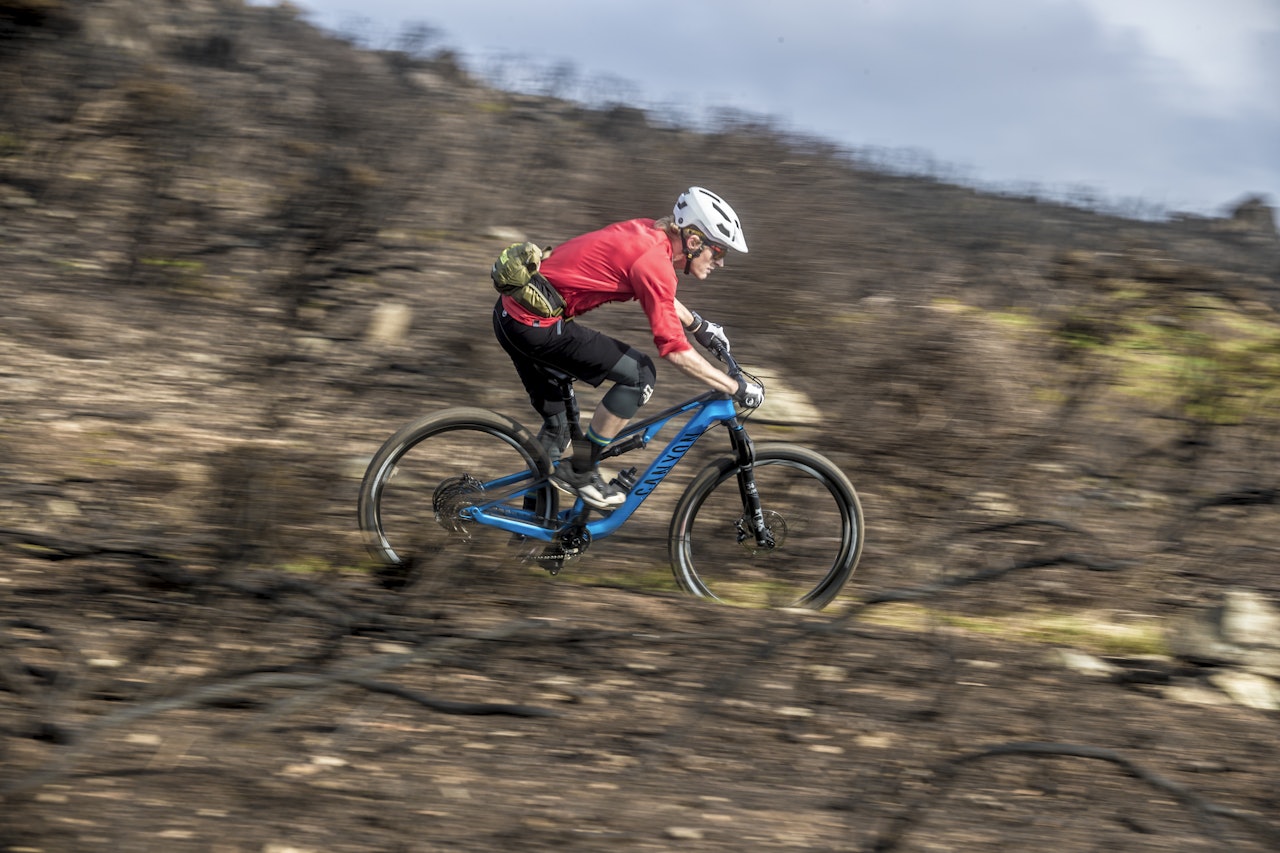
566,549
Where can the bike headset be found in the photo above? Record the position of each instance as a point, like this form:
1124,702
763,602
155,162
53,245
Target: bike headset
701,211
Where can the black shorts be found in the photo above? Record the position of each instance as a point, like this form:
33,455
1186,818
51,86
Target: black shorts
549,357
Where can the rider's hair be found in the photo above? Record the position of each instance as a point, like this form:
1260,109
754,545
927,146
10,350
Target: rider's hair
667,224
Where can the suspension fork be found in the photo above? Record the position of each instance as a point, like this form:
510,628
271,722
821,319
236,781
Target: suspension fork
752,511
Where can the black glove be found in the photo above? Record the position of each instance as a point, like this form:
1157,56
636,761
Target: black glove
710,335
749,394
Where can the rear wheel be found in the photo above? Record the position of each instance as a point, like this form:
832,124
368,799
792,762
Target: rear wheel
421,482
812,511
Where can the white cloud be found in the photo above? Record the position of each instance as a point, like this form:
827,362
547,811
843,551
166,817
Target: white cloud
1220,48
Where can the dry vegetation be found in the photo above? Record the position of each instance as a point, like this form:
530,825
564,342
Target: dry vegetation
1063,426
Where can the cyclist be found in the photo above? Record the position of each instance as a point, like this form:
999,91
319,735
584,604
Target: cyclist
635,259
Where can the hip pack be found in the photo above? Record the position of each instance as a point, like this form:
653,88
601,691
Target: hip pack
515,274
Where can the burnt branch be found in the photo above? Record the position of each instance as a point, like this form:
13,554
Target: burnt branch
248,690
928,590
945,775
1242,497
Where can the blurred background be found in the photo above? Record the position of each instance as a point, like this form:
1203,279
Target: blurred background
1142,106
1015,271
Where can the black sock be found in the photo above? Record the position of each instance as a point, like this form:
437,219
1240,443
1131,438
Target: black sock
587,450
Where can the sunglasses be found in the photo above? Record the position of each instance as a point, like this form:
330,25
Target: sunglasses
717,251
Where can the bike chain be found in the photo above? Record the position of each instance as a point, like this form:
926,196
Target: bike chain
569,546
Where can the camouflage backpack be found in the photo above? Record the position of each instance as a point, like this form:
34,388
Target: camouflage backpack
515,274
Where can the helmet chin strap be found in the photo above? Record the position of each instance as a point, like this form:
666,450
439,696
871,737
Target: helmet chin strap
689,254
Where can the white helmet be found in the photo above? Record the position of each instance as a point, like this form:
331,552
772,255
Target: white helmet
702,209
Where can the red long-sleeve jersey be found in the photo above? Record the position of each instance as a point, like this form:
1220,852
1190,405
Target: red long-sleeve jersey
620,262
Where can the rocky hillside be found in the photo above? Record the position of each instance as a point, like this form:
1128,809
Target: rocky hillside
238,253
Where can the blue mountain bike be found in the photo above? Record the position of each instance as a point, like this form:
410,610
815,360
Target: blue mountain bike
768,525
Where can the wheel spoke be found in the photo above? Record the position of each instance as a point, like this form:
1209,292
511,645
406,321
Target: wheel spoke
811,510
416,499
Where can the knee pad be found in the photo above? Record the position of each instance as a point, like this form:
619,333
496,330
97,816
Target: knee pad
634,376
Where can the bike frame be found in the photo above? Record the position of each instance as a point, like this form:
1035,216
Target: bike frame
704,411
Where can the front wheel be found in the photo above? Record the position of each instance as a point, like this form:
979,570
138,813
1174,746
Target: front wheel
809,506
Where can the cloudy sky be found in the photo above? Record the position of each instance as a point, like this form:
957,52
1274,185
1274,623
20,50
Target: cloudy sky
1174,102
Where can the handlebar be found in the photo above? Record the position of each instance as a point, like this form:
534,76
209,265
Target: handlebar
728,360
736,372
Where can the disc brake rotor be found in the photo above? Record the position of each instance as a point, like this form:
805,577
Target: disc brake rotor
777,526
